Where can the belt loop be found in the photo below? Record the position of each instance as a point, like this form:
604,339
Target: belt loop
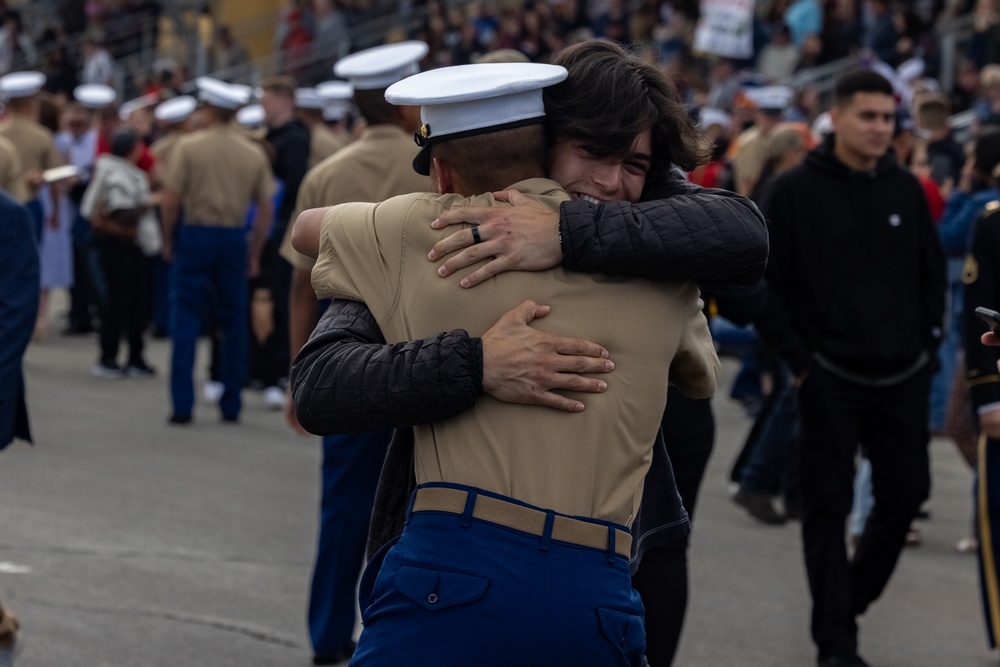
550,520
611,544
470,505
409,506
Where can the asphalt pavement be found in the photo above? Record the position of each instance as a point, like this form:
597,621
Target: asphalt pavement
125,541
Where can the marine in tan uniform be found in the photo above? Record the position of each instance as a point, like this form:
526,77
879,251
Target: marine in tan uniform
34,144
515,466
373,168
216,173
751,148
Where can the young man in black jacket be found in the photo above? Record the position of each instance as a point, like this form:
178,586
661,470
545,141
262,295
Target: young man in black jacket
857,281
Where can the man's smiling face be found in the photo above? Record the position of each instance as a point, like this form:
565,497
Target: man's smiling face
594,178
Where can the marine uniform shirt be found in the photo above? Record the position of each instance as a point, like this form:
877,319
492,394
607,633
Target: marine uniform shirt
750,155
588,464
163,148
323,143
218,171
11,171
377,166
35,146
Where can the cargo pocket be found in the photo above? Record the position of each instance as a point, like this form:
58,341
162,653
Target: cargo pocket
439,589
625,630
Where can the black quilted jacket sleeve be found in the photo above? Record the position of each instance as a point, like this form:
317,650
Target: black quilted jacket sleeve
679,232
346,379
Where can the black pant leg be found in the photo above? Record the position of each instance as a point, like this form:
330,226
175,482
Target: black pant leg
662,582
689,433
895,439
113,261
137,308
831,412
81,294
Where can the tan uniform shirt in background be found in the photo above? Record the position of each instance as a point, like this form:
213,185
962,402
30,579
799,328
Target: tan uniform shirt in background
377,166
323,143
218,171
749,156
11,171
163,148
590,463
35,146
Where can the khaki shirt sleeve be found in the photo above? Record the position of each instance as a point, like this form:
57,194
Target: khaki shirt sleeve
695,366
348,231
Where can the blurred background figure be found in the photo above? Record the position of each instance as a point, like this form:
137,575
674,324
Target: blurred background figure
17,50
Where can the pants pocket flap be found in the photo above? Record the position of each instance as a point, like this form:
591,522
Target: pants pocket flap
622,628
439,589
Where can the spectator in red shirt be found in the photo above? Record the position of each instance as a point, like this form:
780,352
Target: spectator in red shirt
296,45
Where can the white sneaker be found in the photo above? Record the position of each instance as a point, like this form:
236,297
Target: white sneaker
105,371
213,391
274,398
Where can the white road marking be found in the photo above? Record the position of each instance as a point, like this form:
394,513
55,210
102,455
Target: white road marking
7,567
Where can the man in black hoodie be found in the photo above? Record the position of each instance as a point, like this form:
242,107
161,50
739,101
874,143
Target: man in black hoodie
857,284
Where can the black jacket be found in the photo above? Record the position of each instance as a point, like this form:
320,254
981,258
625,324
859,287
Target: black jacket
856,272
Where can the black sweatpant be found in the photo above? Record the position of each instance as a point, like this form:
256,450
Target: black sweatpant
126,307
890,423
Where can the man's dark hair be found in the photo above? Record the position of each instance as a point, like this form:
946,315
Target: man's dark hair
860,81
494,160
610,97
123,142
374,108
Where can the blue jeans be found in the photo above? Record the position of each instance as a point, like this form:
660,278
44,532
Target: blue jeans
218,256
462,591
351,467
864,499
951,342
770,466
